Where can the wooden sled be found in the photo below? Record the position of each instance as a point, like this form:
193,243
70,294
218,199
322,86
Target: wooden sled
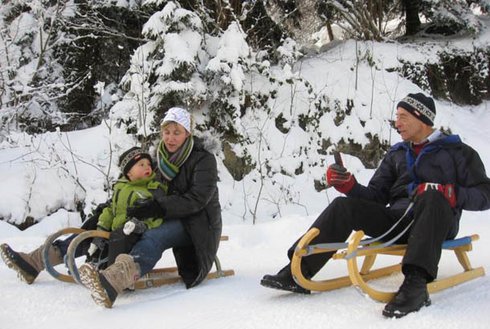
359,278
156,278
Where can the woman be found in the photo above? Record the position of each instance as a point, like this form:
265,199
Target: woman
191,210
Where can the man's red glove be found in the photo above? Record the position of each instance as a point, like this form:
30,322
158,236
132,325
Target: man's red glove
446,189
340,178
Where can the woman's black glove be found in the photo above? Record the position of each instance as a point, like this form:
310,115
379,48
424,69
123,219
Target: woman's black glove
145,208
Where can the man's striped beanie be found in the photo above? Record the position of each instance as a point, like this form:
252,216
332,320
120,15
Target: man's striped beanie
421,106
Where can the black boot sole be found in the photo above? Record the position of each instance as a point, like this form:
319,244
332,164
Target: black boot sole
92,281
276,285
399,314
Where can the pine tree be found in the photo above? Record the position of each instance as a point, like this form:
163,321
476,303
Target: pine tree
449,17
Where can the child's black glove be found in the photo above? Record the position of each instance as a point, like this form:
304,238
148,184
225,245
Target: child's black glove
145,208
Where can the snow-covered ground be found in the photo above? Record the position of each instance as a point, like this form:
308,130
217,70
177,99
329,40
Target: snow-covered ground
239,301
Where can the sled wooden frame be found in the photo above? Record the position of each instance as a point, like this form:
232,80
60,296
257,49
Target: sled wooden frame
359,278
156,278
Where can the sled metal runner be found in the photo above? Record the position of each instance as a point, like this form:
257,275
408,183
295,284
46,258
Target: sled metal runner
156,278
359,278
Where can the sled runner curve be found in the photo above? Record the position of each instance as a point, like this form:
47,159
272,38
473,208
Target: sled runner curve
47,244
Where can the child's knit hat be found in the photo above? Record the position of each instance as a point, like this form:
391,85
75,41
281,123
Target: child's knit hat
129,158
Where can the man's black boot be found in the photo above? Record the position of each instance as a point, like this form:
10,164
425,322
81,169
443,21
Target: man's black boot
283,280
411,296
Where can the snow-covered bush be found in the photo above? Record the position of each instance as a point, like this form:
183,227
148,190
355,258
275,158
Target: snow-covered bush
461,76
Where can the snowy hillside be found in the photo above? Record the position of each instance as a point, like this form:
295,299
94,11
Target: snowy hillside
54,167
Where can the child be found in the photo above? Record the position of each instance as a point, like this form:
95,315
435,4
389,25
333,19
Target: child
136,183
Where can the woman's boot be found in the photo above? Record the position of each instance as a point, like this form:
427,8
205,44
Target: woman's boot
105,285
28,265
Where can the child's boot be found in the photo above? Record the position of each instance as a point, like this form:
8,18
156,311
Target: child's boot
105,285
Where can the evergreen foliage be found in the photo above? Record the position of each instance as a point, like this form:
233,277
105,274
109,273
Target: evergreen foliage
69,65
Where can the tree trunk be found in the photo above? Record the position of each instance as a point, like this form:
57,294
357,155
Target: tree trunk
412,24
330,31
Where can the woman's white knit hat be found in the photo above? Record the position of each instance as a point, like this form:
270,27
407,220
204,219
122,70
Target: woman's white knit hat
179,115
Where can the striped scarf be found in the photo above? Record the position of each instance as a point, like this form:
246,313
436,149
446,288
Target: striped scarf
169,164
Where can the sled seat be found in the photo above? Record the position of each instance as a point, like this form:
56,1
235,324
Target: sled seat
157,277
359,278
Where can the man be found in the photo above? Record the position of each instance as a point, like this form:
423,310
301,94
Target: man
440,173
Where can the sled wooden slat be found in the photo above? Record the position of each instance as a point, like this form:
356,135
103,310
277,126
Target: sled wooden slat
156,278
456,279
164,276
359,277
